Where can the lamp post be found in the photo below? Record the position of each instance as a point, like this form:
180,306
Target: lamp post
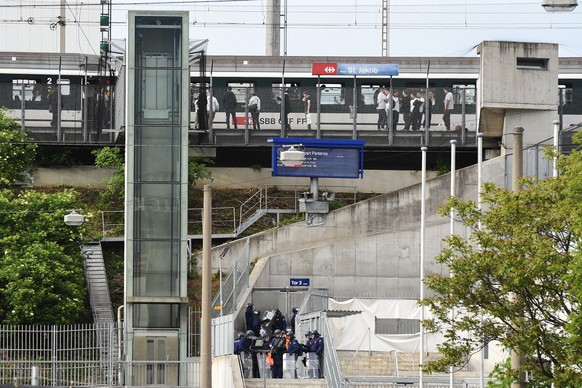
559,5
74,219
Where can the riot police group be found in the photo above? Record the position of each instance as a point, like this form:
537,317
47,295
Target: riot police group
270,349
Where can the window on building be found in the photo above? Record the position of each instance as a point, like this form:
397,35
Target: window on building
567,95
369,94
532,63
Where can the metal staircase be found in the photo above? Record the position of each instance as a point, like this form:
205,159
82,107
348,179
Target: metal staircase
101,306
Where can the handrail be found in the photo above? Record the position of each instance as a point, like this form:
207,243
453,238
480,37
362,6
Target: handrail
331,367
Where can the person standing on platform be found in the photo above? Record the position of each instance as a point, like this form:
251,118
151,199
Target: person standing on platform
211,107
449,105
429,105
405,109
395,110
381,109
229,104
255,109
307,108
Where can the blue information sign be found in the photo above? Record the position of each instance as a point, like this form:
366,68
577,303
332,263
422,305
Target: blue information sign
324,158
367,69
299,282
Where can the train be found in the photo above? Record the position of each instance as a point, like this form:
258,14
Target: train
92,97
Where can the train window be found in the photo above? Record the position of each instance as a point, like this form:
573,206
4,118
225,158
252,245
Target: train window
568,96
26,88
369,94
333,94
65,86
295,93
470,94
240,90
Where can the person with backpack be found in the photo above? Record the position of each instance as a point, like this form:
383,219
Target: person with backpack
277,350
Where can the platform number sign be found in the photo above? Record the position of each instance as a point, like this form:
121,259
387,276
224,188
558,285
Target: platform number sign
299,282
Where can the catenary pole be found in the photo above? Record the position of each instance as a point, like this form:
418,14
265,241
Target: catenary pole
205,341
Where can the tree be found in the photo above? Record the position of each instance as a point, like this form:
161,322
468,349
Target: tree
112,197
17,152
41,268
515,280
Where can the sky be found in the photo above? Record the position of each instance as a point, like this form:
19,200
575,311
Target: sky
354,27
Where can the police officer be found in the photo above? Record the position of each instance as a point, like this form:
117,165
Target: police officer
317,347
279,321
277,350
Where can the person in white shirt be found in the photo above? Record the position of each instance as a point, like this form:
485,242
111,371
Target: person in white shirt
395,110
381,101
211,109
255,109
449,103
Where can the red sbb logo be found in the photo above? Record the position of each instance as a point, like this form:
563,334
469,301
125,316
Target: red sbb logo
323,68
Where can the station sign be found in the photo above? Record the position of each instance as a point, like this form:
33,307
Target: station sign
299,282
367,69
325,68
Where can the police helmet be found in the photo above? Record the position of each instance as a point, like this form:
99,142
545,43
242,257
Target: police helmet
250,333
241,335
308,334
277,332
290,333
263,333
315,333
277,311
294,309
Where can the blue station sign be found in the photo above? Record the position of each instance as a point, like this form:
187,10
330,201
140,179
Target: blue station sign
299,282
367,69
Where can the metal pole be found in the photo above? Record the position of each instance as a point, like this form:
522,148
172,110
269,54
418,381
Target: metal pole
86,107
556,146
318,134
422,227
59,102
62,24
389,113
205,341
479,206
283,118
247,134
355,110
220,286
516,175
211,102
452,231
463,114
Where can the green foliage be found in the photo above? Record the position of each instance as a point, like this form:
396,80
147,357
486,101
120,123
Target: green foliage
41,268
198,169
54,157
515,280
114,194
17,152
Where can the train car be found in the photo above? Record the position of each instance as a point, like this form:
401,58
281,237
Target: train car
49,90
345,101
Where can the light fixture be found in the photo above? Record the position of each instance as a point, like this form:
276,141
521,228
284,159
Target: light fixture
559,5
74,219
293,156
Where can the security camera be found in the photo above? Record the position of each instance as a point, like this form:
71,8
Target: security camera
293,156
